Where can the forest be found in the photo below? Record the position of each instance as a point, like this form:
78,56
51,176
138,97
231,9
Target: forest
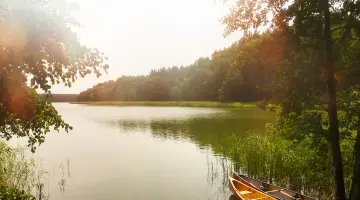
303,55
242,72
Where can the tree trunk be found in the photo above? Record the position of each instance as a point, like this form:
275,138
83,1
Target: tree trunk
333,133
355,188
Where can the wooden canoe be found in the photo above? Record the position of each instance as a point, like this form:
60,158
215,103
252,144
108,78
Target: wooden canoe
274,191
245,192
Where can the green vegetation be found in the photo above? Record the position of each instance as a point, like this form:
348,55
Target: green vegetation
307,58
60,97
318,51
17,174
240,73
207,104
13,194
258,146
38,48
299,165
264,152
306,62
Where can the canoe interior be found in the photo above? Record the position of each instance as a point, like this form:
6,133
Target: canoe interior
278,192
245,192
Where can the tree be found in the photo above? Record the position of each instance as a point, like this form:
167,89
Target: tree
38,49
125,89
158,90
242,72
316,26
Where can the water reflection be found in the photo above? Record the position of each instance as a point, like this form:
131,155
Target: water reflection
63,179
232,197
215,131
171,153
46,177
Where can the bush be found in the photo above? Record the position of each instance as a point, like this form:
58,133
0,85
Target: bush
13,194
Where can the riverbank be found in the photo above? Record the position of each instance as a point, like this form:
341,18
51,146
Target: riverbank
205,104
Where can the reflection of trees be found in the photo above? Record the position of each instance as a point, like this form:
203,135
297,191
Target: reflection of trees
216,132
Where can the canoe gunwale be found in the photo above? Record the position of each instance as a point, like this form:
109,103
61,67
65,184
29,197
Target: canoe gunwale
253,191
281,189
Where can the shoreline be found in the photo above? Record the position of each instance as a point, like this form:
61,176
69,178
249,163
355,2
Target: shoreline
203,104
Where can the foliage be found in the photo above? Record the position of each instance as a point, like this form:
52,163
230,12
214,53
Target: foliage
13,194
60,97
38,49
17,174
296,165
319,66
243,72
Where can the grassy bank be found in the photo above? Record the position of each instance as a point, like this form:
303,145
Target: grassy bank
206,104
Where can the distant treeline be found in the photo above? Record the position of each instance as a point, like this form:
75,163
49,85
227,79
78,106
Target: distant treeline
61,97
242,72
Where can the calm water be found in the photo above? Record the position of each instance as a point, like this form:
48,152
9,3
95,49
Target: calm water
143,152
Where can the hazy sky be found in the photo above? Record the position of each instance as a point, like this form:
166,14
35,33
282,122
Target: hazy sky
137,35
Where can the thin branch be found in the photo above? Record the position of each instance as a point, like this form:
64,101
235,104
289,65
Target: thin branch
345,38
344,27
349,138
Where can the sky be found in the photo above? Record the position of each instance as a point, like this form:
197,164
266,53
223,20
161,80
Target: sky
139,35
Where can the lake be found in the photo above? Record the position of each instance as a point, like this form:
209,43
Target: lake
143,152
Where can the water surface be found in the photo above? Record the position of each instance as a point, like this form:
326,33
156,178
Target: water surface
143,152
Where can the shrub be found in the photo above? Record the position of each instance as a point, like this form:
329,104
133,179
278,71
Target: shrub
13,194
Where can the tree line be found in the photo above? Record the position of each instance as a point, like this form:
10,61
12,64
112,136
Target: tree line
242,72
59,97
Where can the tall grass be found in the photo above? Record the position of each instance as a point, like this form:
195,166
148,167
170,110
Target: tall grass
274,159
16,171
207,104
20,177
219,169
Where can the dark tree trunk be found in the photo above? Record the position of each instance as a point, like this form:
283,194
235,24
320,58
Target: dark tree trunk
355,188
333,134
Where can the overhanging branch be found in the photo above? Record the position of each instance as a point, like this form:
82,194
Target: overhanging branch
345,38
344,27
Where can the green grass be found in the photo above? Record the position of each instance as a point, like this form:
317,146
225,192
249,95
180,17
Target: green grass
206,104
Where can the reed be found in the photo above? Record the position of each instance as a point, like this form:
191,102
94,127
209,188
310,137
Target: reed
271,158
17,173
21,177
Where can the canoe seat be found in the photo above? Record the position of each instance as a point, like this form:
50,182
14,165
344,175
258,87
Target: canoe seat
244,192
272,191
